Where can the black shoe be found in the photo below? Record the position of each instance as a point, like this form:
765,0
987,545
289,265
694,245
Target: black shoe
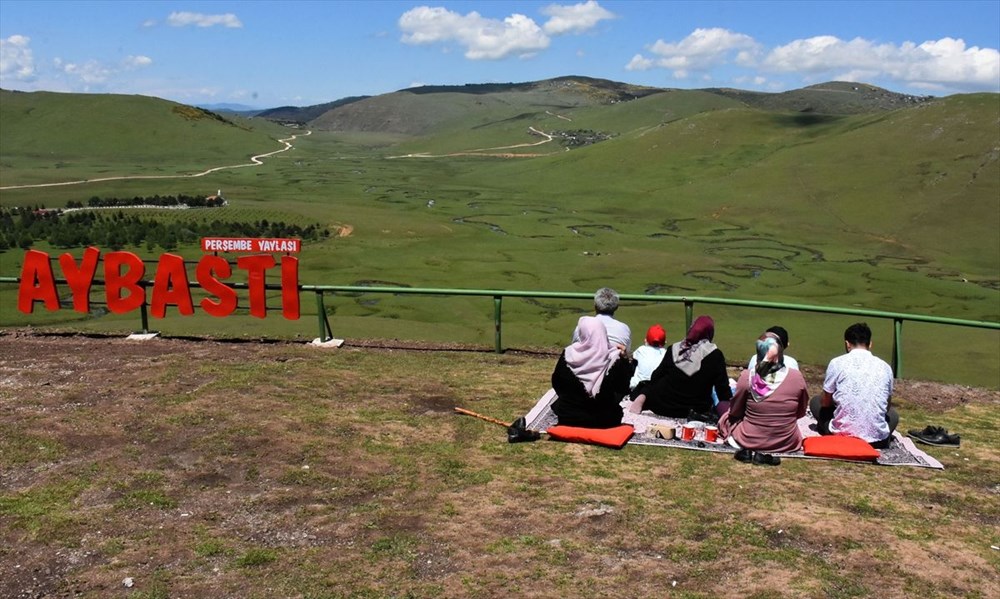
934,435
744,455
518,431
766,459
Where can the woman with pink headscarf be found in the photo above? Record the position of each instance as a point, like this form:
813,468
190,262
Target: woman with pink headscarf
681,386
590,378
769,400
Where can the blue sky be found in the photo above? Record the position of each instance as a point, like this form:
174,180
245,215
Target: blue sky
266,54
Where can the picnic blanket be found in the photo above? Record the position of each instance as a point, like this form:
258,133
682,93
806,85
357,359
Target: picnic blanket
901,450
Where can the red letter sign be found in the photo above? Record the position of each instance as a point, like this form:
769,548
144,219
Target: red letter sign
37,283
255,267
290,287
115,282
79,279
170,286
210,269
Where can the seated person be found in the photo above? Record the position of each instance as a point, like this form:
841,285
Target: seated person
605,306
684,380
590,378
768,402
857,392
783,338
648,357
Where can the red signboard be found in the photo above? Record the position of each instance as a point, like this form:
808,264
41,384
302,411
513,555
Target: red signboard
124,291
251,245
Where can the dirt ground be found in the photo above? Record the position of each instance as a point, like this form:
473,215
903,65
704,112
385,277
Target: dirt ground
49,381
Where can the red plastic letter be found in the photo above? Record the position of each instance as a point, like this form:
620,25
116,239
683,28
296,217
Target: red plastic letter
290,287
79,279
170,286
255,267
115,282
37,283
210,269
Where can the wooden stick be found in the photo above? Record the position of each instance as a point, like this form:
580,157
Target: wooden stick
481,417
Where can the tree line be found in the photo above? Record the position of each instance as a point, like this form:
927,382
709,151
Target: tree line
156,200
22,227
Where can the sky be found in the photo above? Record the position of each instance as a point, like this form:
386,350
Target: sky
265,54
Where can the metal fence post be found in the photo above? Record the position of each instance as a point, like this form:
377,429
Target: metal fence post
897,348
144,315
325,333
497,301
688,314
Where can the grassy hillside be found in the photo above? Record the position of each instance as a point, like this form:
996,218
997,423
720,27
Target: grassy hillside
694,193
51,137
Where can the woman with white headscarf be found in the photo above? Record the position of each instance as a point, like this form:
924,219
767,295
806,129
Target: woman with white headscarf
769,400
590,378
681,386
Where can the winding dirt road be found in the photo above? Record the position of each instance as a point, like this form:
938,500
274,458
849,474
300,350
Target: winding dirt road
254,161
480,151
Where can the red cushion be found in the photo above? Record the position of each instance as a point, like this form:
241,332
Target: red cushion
615,437
843,447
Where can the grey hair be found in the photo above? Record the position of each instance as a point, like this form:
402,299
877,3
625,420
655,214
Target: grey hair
606,300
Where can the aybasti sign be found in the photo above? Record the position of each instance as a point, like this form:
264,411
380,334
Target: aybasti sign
124,272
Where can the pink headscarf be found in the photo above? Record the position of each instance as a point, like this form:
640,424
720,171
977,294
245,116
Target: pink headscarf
591,357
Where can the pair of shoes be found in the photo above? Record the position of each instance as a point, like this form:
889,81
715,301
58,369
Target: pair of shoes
760,458
935,435
766,459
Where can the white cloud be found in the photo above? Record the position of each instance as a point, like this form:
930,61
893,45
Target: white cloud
137,62
945,62
941,64
482,38
90,72
16,59
704,49
574,18
94,73
184,19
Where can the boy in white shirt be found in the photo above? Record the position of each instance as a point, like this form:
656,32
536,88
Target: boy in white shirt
649,356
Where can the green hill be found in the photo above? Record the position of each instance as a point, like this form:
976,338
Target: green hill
51,137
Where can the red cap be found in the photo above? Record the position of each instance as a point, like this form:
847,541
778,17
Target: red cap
656,336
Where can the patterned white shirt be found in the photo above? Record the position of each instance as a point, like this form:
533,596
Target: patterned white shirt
861,385
618,332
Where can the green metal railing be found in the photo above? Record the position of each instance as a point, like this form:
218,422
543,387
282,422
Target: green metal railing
326,331
689,301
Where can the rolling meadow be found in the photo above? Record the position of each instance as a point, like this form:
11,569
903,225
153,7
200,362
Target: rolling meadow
691,194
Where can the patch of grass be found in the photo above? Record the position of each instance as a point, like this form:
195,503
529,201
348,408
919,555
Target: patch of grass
17,448
256,557
211,547
46,512
396,546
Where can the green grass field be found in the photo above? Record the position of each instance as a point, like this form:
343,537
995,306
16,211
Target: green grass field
694,195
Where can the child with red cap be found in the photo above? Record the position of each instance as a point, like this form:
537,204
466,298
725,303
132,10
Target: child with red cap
648,357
